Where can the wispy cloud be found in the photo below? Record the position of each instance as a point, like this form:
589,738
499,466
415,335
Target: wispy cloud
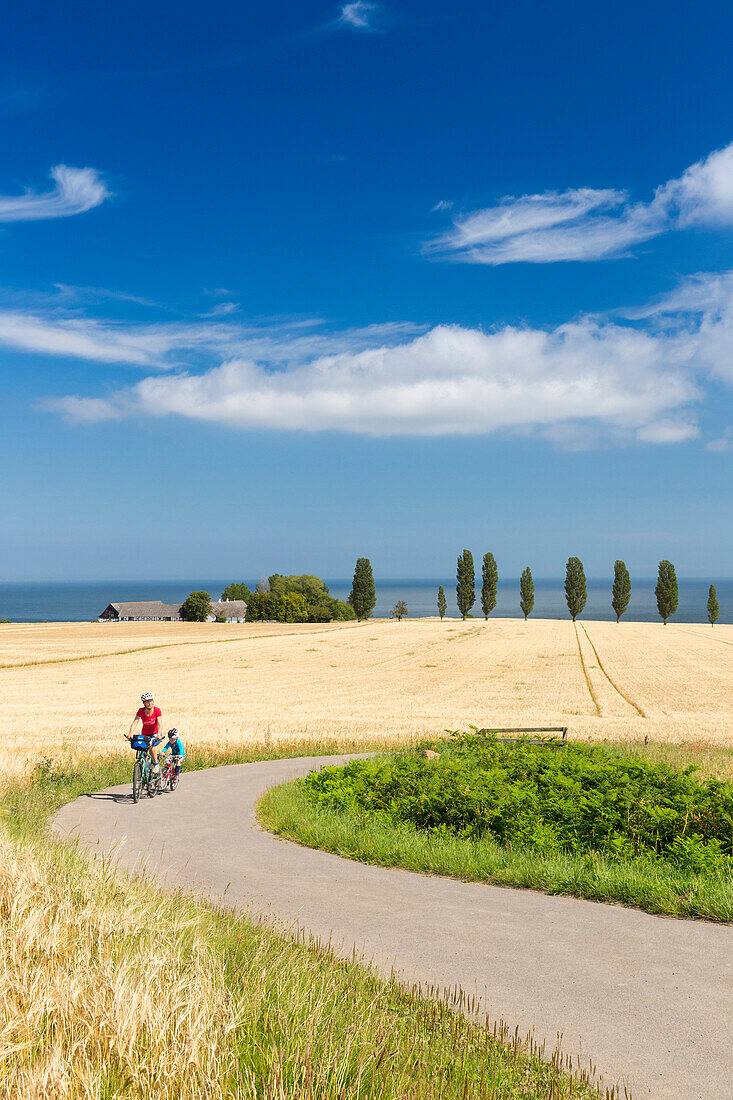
76,191
221,309
169,346
359,15
724,443
589,224
67,292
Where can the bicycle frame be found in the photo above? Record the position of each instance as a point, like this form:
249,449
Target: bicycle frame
143,762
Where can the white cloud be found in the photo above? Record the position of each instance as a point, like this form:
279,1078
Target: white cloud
594,381
358,15
669,430
587,224
450,380
77,190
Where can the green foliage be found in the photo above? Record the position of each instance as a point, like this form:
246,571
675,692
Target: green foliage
713,607
576,592
621,591
196,607
363,595
399,611
489,581
465,586
526,592
441,601
292,607
581,799
269,607
219,619
296,599
5,622
666,590
237,590
313,588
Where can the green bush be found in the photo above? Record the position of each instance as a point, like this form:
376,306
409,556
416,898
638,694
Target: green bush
580,799
297,599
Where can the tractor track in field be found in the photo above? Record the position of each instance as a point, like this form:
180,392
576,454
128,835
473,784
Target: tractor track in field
612,682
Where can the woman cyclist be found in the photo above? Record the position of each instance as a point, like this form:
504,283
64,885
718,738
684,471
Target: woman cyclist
149,716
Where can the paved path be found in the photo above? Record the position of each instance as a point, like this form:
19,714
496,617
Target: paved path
649,1000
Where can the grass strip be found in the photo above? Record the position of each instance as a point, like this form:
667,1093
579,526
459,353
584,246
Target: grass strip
113,988
655,886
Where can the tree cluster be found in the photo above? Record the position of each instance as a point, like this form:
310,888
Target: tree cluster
299,598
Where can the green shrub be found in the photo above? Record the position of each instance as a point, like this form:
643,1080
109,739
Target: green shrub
297,599
580,799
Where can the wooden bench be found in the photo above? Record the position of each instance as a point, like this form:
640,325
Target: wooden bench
551,742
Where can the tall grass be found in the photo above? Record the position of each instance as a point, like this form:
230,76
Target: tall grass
657,887
110,987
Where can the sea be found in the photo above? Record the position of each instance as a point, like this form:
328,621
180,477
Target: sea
82,601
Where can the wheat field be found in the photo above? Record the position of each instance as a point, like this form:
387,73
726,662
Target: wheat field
77,685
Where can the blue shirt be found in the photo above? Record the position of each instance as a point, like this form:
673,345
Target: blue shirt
176,747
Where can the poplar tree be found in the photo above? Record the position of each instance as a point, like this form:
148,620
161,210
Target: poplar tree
363,595
489,579
441,602
666,590
713,608
526,592
465,587
621,591
576,592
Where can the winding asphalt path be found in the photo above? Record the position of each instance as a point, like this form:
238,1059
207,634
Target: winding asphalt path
647,999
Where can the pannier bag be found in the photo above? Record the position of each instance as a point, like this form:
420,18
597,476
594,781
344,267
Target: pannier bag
138,743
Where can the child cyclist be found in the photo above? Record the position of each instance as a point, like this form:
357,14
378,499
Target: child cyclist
149,717
175,747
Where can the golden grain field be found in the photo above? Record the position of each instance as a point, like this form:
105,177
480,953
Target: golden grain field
79,684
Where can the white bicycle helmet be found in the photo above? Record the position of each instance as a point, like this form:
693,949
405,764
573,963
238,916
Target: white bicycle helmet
145,696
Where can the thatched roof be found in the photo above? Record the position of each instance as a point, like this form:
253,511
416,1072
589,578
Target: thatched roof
148,609
230,609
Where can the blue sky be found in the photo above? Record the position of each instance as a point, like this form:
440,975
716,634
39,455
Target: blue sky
288,284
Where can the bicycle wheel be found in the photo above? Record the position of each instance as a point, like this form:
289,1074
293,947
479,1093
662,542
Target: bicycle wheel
137,780
174,780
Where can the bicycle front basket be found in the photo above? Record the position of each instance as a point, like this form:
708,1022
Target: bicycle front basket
139,743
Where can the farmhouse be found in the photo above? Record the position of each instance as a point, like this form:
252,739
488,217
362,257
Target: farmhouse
234,611
150,611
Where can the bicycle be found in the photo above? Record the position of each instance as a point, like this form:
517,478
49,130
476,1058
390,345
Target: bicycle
167,780
142,772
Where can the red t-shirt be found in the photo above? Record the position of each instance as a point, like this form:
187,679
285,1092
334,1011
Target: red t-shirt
150,721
